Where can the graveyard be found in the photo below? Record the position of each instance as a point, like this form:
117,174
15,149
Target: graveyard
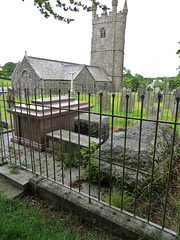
101,146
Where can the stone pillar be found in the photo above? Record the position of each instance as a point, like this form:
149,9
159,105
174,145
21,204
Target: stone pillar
114,6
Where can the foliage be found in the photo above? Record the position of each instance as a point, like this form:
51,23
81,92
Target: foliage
86,152
116,197
137,81
174,82
7,70
70,159
47,8
89,170
13,168
134,82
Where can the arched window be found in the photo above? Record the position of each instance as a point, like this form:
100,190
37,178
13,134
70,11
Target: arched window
25,79
103,33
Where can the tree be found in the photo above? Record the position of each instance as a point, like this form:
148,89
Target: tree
7,70
47,8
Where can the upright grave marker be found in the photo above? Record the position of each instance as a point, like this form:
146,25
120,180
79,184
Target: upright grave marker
123,100
106,100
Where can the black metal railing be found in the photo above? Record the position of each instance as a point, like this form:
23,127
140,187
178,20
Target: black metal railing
40,138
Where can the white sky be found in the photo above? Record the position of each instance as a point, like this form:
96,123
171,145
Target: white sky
152,35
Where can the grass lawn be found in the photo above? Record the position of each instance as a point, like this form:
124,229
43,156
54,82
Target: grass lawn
5,83
33,218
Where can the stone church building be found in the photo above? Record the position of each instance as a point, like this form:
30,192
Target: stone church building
105,70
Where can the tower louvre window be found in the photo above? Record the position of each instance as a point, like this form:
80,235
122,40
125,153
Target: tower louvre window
102,33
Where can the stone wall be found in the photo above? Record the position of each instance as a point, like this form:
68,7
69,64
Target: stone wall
108,51
84,82
25,77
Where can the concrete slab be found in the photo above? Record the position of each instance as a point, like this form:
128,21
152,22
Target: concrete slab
120,223
19,179
8,189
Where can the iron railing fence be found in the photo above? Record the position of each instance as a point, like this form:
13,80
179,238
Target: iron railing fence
126,169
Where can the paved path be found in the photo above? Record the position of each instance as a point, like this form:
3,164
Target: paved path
43,164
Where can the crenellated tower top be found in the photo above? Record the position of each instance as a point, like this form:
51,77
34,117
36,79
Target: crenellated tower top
108,41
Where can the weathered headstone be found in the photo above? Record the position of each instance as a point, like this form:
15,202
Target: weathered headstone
94,125
176,94
166,89
168,101
60,141
156,92
140,91
123,100
167,98
106,100
150,109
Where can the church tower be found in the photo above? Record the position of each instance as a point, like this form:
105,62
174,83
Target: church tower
108,40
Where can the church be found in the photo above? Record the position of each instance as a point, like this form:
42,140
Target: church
104,72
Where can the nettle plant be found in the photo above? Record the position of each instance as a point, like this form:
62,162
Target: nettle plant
89,169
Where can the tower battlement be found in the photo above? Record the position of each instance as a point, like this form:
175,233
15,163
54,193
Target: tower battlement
108,17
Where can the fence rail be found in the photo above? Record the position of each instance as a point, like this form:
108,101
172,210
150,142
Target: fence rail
121,148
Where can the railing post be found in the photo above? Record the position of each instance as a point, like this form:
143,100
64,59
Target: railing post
111,156
171,158
124,156
154,153
142,96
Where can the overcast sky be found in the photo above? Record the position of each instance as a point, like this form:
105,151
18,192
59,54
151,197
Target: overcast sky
152,35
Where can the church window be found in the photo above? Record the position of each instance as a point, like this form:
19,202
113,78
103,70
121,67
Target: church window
103,33
25,79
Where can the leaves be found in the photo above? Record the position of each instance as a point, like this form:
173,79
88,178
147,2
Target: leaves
7,70
47,9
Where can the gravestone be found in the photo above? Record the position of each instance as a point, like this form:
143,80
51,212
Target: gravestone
140,90
156,92
168,99
123,100
106,100
166,89
94,125
176,94
60,141
150,109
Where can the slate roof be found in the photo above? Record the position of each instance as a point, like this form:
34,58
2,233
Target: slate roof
98,74
57,70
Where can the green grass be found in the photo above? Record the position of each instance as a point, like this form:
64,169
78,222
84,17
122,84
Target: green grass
34,221
116,198
5,83
119,121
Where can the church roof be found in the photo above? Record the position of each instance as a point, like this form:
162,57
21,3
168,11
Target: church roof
98,74
52,69
58,70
